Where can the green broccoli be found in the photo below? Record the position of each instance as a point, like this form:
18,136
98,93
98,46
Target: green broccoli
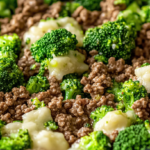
130,92
147,125
18,121
51,125
8,53
95,141
135,137
37,84
131,16
33,67
7,8
112,39
101,58
56,43
50,2
115,89
145,64
10,43
37,103
100,112
16,141
71,86
68,9
10,75
145,13
122,2
2,123
90,5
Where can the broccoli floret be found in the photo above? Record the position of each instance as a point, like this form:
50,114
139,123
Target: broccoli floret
130,92
10,43
95,141
16,141
37,84
90,5
86,74
122,2
56,43
38,104
131,16
145,64
2,123
71,86
8,53
147,125
51,125
112,39
100,112
135,137
7,7
145,14
115,89
10,75
101,58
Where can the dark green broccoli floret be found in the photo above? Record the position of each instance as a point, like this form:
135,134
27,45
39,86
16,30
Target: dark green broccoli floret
100,112
10,75
112,39
16,141
10,43
58,42
145,64
7,7
130,92
38,104
95,141
90,4
37,84
101,58
131,16
115,89
135,137
51,125
72,87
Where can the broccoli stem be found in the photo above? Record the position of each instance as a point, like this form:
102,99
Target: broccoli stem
69,94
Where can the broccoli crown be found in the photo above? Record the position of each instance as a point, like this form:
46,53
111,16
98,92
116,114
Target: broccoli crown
101,58
135,137
4,53
7,7
72,87
37,84
115,89
56,43
130,92
90,5
16,141
10,75
145,13
95,141
145,64
37,103
100,112
51,125
112,39
10,43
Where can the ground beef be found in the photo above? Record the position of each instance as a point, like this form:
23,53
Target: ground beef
142,108
27,14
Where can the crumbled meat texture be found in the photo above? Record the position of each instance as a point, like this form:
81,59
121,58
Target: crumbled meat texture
113,135
27,14
142,108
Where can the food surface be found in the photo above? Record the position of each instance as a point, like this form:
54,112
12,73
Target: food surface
75,75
